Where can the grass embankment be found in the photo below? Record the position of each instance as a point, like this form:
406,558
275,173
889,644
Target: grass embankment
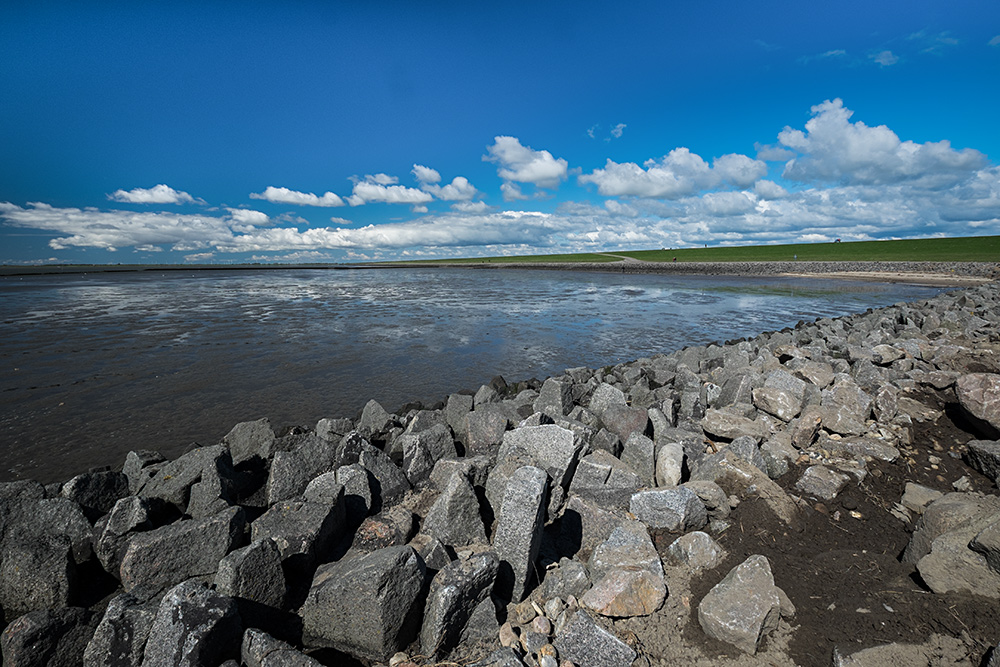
967,249
524,259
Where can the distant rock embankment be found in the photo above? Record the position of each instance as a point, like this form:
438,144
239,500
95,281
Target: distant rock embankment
819,495
956,273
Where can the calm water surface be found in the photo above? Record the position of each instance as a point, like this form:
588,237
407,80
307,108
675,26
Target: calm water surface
95,365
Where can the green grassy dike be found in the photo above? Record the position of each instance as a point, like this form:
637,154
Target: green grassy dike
965,249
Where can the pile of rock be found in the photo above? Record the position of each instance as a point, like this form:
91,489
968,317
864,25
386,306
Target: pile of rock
509,527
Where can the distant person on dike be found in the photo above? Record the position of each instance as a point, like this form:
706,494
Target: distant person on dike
675,259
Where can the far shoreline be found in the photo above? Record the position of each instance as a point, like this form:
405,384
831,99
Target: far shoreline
936,274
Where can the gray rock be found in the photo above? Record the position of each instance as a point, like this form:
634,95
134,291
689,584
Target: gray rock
627,547
984,456
37,571
253,573
260,649
431,550
519,531
333,430
847,398
367,606
61,516
886,404
951,511
639,454
747,448
862,448
675,509
391,528
697,550
375,422
425,419
302,531
358,493
555,398
736,476
502,657
669,464
979,396
485,429
120,637
953,564
455,518
623,420
627,573
288,477
728,425
194,626
391,482
485,394
778,455
96,492
140,466
249,439
455,413
736,389
786,382
782,404
569,577
475,468
716,500
626,593
821,482
193,548
174,480
987,543
422,450
111,537
917,497
455,592
552,448
743,607
584,642
47,637
604,396
605,480
324,489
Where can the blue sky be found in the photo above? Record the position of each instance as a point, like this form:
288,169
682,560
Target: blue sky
307,131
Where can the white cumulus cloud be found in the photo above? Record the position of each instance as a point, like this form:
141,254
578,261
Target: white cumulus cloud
426,174
677,174
286,196
458,190
833,149
522,164
158,194
381,188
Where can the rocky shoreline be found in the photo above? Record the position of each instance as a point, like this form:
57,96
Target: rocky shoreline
820,495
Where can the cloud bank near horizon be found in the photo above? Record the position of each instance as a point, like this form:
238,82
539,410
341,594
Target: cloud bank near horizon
833,178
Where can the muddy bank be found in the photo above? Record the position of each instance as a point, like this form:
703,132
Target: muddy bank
958,274
819,495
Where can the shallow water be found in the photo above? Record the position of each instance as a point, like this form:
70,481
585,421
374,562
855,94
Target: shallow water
99,364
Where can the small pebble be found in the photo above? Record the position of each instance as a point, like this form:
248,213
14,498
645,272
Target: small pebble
963,483
548,650
554,607
398,659
524,612
508,635
542,625
547,661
